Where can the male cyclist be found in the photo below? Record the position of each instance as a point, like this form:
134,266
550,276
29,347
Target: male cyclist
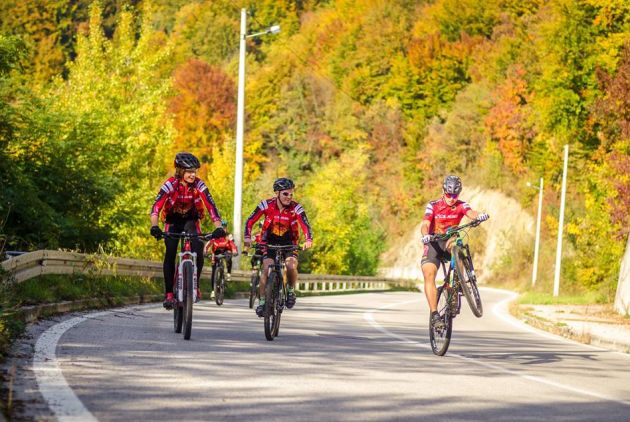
280,227
181,201
221,245
441,214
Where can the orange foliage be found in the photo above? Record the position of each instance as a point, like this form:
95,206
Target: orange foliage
508,122
204,108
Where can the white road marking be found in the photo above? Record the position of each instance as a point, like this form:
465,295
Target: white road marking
369,317
52,384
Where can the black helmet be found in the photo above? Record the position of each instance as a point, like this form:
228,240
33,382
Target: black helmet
186,160
282,184
452,184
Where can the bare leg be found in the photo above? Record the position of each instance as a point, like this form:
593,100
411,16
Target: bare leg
292,272
263,276
429,271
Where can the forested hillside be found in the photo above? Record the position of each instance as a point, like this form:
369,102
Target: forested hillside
366,104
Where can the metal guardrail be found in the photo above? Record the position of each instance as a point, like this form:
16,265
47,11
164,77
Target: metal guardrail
33,264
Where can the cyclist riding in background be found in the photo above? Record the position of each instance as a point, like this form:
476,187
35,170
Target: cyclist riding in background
256,257
181,201
280,227
441,214
221,245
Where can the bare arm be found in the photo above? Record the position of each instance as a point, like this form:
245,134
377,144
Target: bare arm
472,214
424,227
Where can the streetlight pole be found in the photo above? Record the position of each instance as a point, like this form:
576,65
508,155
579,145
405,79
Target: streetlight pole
556,278
240,128
240,121
538,218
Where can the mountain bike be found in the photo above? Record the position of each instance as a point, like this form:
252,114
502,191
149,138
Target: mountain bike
219,281
276,290
255,277
460,279
186,281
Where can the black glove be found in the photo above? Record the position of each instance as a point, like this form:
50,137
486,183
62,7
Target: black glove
156,232
218,232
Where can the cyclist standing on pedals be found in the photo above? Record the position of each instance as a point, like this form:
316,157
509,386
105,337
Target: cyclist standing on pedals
181,201
219,245
441,214
280,227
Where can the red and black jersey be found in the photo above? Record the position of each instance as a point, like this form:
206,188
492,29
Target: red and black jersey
177,201
279,226
221,244
443,216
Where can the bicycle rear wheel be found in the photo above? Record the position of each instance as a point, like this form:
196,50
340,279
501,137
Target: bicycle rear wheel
188,299
219,286
441,337
178,318
253,289
178,314
272,316
468,281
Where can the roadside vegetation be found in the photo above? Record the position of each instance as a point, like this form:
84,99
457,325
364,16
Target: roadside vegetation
366,104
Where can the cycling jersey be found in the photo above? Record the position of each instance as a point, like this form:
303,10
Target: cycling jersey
221,245
179,203
443,216
279,226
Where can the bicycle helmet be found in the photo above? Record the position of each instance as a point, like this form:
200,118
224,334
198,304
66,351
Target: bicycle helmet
452,184
186,160
224,223
282,184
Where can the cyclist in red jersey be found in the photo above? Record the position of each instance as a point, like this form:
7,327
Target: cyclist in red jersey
441,214
221,245
181,202
283,216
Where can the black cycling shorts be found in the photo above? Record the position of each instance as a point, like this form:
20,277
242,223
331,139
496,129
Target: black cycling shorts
271,254
435,253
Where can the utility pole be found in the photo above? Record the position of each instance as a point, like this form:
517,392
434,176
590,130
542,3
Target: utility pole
537,243
556,278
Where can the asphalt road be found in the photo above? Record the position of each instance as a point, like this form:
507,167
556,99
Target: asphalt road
359,357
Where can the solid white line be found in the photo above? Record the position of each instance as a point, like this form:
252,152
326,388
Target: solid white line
369,317
52,384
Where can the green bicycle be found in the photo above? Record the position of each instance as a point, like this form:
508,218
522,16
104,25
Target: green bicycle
460,280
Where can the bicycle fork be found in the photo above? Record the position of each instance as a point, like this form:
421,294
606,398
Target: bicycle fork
185,257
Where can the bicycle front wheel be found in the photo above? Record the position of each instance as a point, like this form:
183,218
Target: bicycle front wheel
441,337
468,281
279,293
272,314
219,287
188,299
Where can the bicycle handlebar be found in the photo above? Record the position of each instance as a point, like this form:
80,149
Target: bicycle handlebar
282,247
452,231
184,235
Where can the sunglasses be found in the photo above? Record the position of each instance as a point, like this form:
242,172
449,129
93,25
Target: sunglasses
451,195
286,193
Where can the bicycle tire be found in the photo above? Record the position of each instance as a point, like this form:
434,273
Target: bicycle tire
188,299
219,287
178,314
253,289
178,318
441,338
271,308
468,282
279,294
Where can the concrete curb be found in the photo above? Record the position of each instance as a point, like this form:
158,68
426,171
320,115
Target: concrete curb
33,313
586,336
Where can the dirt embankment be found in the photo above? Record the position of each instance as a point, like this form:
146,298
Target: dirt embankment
509,224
